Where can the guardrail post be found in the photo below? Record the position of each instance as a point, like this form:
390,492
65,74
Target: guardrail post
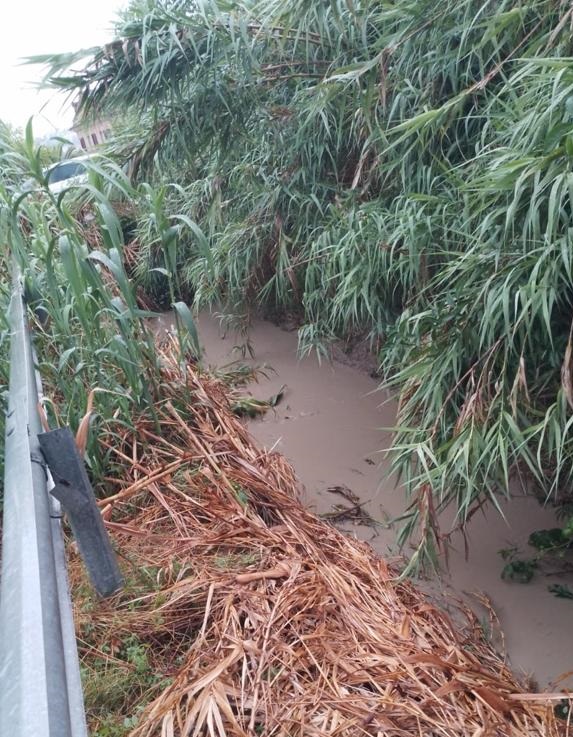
40,687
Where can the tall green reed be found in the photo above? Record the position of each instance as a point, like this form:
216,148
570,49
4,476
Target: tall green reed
91,335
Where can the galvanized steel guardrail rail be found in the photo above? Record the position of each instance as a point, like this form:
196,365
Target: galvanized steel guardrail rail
40,688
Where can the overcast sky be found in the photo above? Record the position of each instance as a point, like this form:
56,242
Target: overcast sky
31,27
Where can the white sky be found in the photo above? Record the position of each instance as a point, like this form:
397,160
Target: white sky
31,27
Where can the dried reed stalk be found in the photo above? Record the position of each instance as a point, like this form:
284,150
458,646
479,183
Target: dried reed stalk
269,620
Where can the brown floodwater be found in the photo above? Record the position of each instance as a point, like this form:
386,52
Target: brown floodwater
330,425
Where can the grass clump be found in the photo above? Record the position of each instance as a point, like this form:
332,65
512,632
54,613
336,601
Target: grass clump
128,652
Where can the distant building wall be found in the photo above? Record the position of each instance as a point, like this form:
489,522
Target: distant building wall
93,133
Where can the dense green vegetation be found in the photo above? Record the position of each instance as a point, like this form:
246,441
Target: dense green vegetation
399,170
96,353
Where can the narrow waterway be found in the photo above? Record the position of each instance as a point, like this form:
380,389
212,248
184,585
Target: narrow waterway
330,427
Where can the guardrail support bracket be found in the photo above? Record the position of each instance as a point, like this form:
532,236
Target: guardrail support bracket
73,490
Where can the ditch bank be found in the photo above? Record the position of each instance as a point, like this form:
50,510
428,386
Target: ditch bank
330,426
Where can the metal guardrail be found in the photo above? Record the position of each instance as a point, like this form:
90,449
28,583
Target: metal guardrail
40,687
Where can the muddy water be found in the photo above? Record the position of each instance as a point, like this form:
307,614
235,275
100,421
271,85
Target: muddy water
330,426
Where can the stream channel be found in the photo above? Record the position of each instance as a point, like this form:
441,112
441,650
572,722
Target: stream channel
330,426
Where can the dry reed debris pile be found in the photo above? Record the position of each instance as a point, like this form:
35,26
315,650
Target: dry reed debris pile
268,621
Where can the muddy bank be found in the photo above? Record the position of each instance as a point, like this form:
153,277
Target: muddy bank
255,617
330,426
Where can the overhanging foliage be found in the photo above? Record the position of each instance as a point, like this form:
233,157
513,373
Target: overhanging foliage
400,169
